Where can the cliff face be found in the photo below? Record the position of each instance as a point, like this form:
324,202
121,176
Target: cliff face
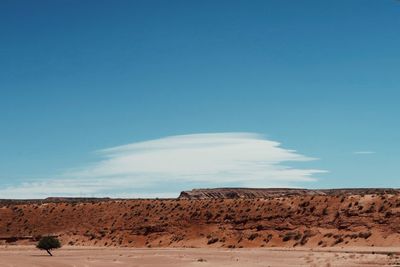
251,193
285,218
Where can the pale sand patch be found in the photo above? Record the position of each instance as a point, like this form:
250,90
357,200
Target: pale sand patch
24,256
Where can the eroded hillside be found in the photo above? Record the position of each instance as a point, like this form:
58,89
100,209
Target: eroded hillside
315,220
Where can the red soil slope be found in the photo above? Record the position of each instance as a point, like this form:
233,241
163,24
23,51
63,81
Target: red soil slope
311,220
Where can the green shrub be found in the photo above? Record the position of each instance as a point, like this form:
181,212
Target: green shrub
48,243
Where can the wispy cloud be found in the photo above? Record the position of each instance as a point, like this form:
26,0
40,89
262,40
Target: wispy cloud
364,152
165,166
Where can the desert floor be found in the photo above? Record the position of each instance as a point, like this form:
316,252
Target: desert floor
21,256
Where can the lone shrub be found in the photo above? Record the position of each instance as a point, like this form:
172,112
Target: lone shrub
48,243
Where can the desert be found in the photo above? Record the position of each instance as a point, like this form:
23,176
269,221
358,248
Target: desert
27,256
211,227
211,133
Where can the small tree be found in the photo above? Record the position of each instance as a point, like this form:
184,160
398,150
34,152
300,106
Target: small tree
48,243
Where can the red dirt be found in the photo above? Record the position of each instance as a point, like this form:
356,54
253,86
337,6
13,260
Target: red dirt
345,219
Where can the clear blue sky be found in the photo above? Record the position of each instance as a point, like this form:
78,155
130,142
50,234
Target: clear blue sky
321,77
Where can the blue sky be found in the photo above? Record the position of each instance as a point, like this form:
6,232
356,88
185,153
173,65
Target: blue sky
319,77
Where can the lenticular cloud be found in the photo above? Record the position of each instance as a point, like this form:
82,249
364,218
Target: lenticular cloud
167,165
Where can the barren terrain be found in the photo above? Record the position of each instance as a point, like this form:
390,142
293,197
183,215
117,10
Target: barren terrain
20,256
229,227
370,218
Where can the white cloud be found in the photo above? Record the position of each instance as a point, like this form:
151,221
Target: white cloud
163,167
364,152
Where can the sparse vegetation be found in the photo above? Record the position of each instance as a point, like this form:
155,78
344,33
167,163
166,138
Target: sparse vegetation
225,222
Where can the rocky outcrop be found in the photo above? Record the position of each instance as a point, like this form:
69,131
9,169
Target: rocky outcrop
249,193
233,193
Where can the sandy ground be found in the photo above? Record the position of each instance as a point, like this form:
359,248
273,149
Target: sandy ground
21,256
